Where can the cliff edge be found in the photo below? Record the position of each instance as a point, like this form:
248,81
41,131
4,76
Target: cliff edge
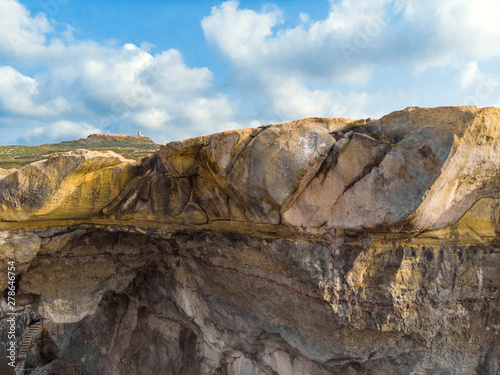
319,246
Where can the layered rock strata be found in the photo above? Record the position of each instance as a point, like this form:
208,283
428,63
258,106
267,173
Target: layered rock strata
320,246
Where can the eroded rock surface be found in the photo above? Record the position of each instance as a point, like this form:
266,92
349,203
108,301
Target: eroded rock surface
321,246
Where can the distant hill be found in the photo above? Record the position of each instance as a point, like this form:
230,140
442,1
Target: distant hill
131,147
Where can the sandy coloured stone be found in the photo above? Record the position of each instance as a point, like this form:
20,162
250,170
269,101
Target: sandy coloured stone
320,246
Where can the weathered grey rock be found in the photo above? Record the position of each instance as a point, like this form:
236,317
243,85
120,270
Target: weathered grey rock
394,189
276,163
346,165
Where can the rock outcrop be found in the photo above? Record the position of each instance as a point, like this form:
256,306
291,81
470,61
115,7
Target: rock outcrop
320,246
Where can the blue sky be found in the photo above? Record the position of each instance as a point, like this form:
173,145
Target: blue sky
177,69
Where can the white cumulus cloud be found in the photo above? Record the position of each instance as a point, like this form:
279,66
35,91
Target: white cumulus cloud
322,66
120,89
59,131
21,34
469,74
362,58
20,95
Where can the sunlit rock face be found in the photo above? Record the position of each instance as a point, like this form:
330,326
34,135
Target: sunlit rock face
321,246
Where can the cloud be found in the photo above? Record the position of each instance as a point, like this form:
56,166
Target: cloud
133,79
309,50
451,31
154,92
296,68
118,89
363,58
239,32
481,89
216,111
20,33
71,130
157,92
59,131
20,95
293,100
469,74
322,66
153,118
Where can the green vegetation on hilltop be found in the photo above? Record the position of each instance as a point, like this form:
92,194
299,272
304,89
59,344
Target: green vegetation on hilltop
129,146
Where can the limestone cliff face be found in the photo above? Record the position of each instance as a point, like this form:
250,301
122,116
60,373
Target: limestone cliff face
321,246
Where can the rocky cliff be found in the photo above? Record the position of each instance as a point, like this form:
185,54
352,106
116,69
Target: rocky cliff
320,246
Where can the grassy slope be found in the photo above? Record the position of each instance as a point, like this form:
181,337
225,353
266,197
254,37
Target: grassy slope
129,147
